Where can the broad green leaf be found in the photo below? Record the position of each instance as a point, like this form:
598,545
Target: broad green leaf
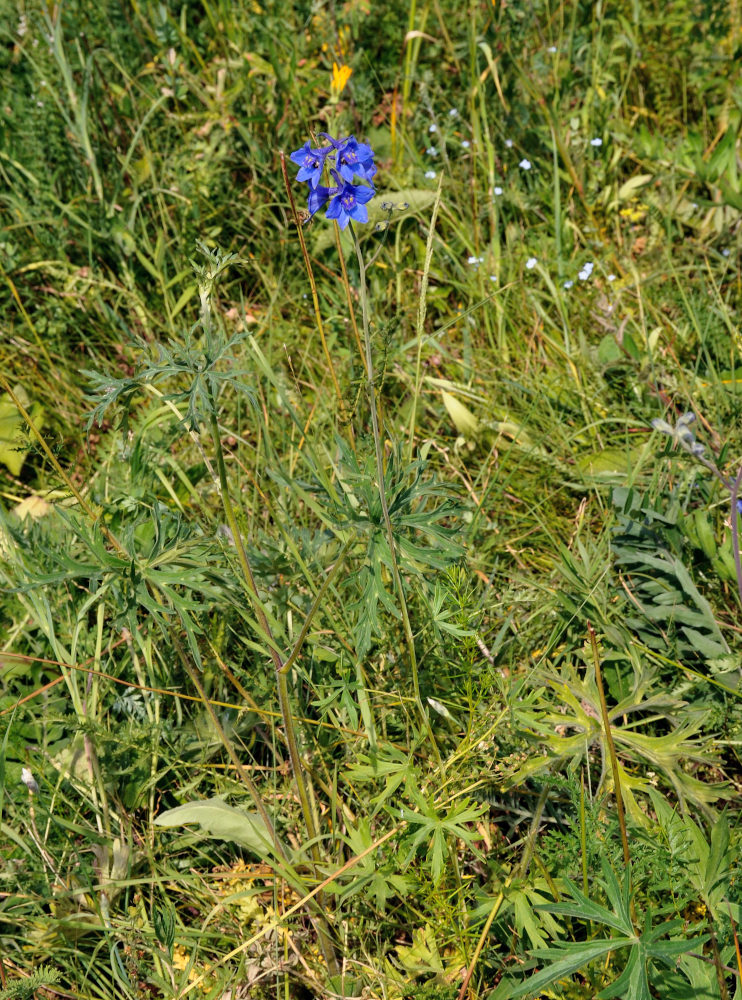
222,822
608,463
463,419
631,186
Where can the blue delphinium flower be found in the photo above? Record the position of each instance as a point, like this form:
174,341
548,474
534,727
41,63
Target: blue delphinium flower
352,167
352,157
312,163
349,202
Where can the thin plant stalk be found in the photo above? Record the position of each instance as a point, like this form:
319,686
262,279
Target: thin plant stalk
377,427
421,310
281,669
317,918
349,296
611,747
735,488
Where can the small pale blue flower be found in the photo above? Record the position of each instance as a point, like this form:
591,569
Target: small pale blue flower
509,143
453,113
430,174
568,284
525,164
611,277
465,144
531,263
431,151
433,128
596,142
497,191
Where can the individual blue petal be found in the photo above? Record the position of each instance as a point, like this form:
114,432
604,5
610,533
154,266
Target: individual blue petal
317,198
359,212
336,211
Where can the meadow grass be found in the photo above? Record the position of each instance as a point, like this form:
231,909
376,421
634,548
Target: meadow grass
360,633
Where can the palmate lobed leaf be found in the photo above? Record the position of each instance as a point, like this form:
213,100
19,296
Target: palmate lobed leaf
569,957
565,959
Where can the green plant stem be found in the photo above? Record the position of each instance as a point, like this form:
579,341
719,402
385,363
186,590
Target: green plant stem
735,531
318,918
349,296
312,282
377,427
611,747
281,673
421,310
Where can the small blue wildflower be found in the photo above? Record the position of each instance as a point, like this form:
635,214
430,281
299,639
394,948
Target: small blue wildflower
453,113
739,506
725,252
552,49
497,191
430,174
568,284
465,144
531,263
349,202
596,142
476,261
353,158
525,164
587,270
431,151
311,161
432,128
611,277
493,277
509,143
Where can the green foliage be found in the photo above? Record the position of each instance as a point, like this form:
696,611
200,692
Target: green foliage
654,947
217,515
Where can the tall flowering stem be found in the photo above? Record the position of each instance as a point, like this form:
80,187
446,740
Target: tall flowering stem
351,165
377,425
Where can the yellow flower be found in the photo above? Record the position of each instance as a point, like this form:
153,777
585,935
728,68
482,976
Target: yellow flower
340,77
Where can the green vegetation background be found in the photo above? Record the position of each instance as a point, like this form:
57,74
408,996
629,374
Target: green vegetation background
583,280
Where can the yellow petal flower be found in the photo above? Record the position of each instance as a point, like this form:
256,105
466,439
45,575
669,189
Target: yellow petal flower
340,77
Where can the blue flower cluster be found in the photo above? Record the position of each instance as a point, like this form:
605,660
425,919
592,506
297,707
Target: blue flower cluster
353,169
